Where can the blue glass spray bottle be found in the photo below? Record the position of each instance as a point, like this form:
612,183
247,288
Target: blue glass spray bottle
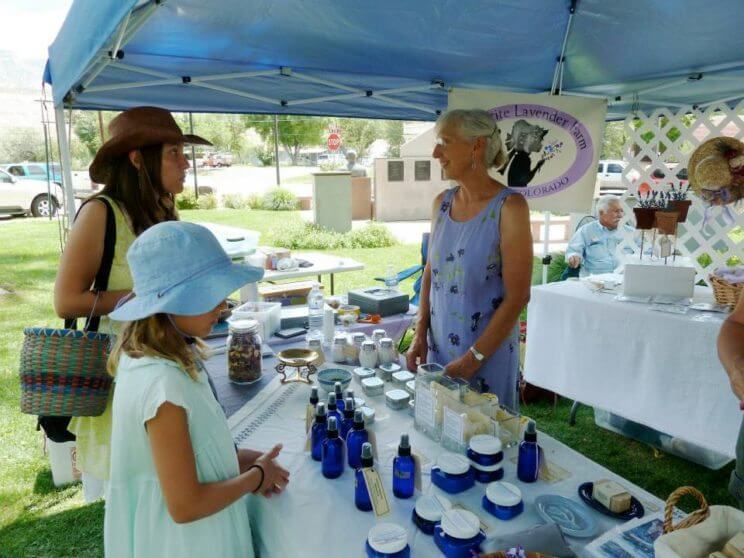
332,408
334,451
361,494
339,397
318,432
355,439
528,465
348,421
404,470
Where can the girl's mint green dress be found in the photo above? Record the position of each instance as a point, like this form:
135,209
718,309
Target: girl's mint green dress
137,522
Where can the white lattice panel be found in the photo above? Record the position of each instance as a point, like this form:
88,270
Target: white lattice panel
720,241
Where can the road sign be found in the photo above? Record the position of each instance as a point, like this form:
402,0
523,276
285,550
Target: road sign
334,142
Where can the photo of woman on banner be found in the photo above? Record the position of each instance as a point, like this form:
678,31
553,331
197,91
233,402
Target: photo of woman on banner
525,138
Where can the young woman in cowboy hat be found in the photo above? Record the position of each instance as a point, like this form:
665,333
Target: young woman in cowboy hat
143,167
176,483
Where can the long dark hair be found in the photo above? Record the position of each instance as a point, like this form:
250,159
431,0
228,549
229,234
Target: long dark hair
140,193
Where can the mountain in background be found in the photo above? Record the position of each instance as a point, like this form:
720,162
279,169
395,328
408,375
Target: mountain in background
20,90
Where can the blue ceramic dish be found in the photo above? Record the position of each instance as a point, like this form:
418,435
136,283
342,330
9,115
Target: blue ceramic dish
327,378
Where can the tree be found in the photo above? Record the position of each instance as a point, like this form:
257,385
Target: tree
22,144
393,133
86,125
295,132
359,133
613,141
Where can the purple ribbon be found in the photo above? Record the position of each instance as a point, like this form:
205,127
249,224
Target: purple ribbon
724,194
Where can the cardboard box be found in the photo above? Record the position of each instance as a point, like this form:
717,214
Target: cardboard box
273,255
287,294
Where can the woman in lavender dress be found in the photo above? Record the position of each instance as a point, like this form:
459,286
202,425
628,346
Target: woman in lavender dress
478,274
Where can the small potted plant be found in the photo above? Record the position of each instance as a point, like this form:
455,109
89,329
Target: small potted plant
678,202
646,210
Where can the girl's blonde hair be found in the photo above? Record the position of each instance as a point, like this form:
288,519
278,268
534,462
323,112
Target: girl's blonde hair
155,336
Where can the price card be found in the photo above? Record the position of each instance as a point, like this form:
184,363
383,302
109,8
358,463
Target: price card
424,408
453,426
376,490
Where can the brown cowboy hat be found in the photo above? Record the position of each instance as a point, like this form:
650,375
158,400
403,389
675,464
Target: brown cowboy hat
135,128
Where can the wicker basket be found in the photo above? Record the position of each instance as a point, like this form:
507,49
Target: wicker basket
63,372
724,292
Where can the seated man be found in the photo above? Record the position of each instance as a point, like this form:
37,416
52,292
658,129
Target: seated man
593,246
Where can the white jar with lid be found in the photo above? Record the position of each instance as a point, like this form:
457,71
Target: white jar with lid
354,347
338,350
387,540
377,335
368,355
387,353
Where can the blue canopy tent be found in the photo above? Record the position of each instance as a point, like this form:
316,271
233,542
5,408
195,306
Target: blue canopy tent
390,58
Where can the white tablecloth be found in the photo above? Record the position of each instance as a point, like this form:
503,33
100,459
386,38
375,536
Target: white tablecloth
655,368
322,265
316,517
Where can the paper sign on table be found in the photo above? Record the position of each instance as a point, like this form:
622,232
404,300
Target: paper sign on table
376,490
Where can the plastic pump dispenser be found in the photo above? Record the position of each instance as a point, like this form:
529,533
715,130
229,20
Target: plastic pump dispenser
404,470
333,452
318,432
355,439
361,495
528,465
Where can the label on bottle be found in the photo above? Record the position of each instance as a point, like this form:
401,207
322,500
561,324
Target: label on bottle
424,408
376,489
453,425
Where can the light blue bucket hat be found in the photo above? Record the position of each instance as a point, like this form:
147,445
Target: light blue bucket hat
180,268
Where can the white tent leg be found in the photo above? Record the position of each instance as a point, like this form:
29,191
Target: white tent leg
64,155
546,245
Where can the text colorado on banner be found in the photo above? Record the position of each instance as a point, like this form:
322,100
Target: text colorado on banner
552,144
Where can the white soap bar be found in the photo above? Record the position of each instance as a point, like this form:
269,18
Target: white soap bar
611,495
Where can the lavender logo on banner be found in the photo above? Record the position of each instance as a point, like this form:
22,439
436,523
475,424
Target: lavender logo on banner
548,150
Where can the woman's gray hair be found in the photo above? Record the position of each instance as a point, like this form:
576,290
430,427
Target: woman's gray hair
473,124
604,203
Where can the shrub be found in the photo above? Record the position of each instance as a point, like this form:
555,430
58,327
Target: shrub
280,199
332,166
186,200
207,201
255,202
234,201
298,235
558,265
373,235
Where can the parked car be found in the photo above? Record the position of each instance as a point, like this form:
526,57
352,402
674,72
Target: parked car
610,177
676,178
34,171
29,196
217,160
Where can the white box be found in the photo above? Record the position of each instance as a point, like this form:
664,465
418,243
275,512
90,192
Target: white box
63,458
654,280
268,315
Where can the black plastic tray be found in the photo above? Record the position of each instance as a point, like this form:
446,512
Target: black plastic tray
636,508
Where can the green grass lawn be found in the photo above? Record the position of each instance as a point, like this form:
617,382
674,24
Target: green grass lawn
38,519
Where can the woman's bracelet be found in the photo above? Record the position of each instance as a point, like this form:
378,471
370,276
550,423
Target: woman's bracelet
257,466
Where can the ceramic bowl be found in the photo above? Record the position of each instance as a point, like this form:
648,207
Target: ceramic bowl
327,378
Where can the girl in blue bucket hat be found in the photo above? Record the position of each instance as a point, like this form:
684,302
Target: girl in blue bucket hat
176,482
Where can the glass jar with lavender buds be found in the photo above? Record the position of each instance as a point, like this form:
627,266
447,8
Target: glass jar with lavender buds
244,352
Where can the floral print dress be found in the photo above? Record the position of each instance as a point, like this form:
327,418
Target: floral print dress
466,289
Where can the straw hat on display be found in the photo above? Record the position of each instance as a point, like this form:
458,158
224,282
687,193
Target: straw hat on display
716,170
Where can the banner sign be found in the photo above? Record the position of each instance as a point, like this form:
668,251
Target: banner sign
552,143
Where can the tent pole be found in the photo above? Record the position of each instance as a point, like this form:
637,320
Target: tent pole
546,248
276,149
193,155
64,155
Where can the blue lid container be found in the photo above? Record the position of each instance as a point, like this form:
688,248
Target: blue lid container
387,540
485,450
428,512
453,473
459,535
503,500
487,475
